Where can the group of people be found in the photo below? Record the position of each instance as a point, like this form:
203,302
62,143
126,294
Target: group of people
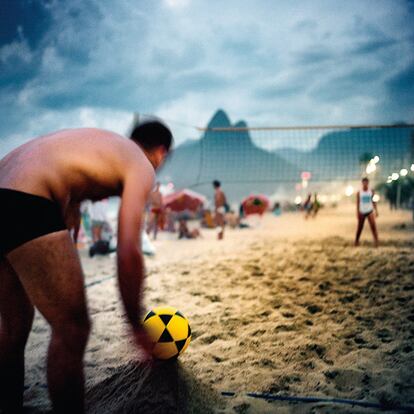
160,216
311,206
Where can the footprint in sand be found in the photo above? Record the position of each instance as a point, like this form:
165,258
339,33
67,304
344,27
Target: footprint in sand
312,309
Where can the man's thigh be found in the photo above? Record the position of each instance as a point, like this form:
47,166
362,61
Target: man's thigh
50,272
16,311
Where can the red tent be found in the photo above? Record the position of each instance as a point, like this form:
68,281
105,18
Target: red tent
184,200
255,204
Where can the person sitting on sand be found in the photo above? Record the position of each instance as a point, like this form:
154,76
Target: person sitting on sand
366,207
41,183
220,204
185,233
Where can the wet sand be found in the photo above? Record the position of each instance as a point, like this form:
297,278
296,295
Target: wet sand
288,307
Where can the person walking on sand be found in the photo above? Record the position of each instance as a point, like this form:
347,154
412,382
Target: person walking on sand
307,206
156,210
41,184
220,204
366,208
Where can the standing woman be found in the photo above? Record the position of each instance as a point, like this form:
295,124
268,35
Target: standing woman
366,208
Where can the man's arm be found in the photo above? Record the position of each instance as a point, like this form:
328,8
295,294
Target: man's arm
136,189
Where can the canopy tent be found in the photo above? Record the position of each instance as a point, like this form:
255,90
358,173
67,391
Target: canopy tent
255,204
184,200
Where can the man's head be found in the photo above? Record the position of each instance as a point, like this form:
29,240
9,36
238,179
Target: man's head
155,139
365,183
216,184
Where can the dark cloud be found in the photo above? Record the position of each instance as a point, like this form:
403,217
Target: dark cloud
253,58
314,57
401,87
360,82
30,18
373,46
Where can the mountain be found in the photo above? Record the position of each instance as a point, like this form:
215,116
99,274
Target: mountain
228,156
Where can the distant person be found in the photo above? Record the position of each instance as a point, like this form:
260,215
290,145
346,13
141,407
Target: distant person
277,209
170,217
220,204
156,210
307,206
366,208
85,210
207,220
316,205
185,233
98,216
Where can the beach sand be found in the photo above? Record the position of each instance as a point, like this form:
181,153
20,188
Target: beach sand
288,307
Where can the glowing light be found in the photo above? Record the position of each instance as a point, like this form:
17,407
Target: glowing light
412,167
298,200
323,198
349,191
304,184
403,172
371,167
305,175
395,176
376,198
376,159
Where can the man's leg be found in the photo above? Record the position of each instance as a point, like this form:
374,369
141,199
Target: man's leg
361,221
16,317
156,224
373,225
50,271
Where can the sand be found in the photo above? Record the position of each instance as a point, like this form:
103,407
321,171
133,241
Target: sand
288,307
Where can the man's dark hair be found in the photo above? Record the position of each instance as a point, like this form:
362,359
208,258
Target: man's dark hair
365,179
216,184
152,134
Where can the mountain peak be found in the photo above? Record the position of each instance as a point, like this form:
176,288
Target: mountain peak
240,124
219,120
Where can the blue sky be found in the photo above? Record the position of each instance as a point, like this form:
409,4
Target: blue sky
95,62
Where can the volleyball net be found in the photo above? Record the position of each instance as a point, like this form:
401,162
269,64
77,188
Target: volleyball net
286,159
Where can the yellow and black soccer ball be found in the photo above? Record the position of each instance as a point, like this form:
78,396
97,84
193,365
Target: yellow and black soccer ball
169,330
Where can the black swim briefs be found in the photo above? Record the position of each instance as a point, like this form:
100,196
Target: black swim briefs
24,217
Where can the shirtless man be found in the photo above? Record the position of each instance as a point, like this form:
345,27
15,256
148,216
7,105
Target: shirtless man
219,208
41,184
156,210
366,207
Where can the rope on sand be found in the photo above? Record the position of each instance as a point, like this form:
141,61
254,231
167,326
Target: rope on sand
98,282
366,404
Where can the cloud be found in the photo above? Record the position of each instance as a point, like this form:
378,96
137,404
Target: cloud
268,63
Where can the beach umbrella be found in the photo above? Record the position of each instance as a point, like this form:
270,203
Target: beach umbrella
184,200
255,204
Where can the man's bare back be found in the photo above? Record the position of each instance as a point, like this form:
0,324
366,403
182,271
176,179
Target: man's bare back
44,181
70,166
